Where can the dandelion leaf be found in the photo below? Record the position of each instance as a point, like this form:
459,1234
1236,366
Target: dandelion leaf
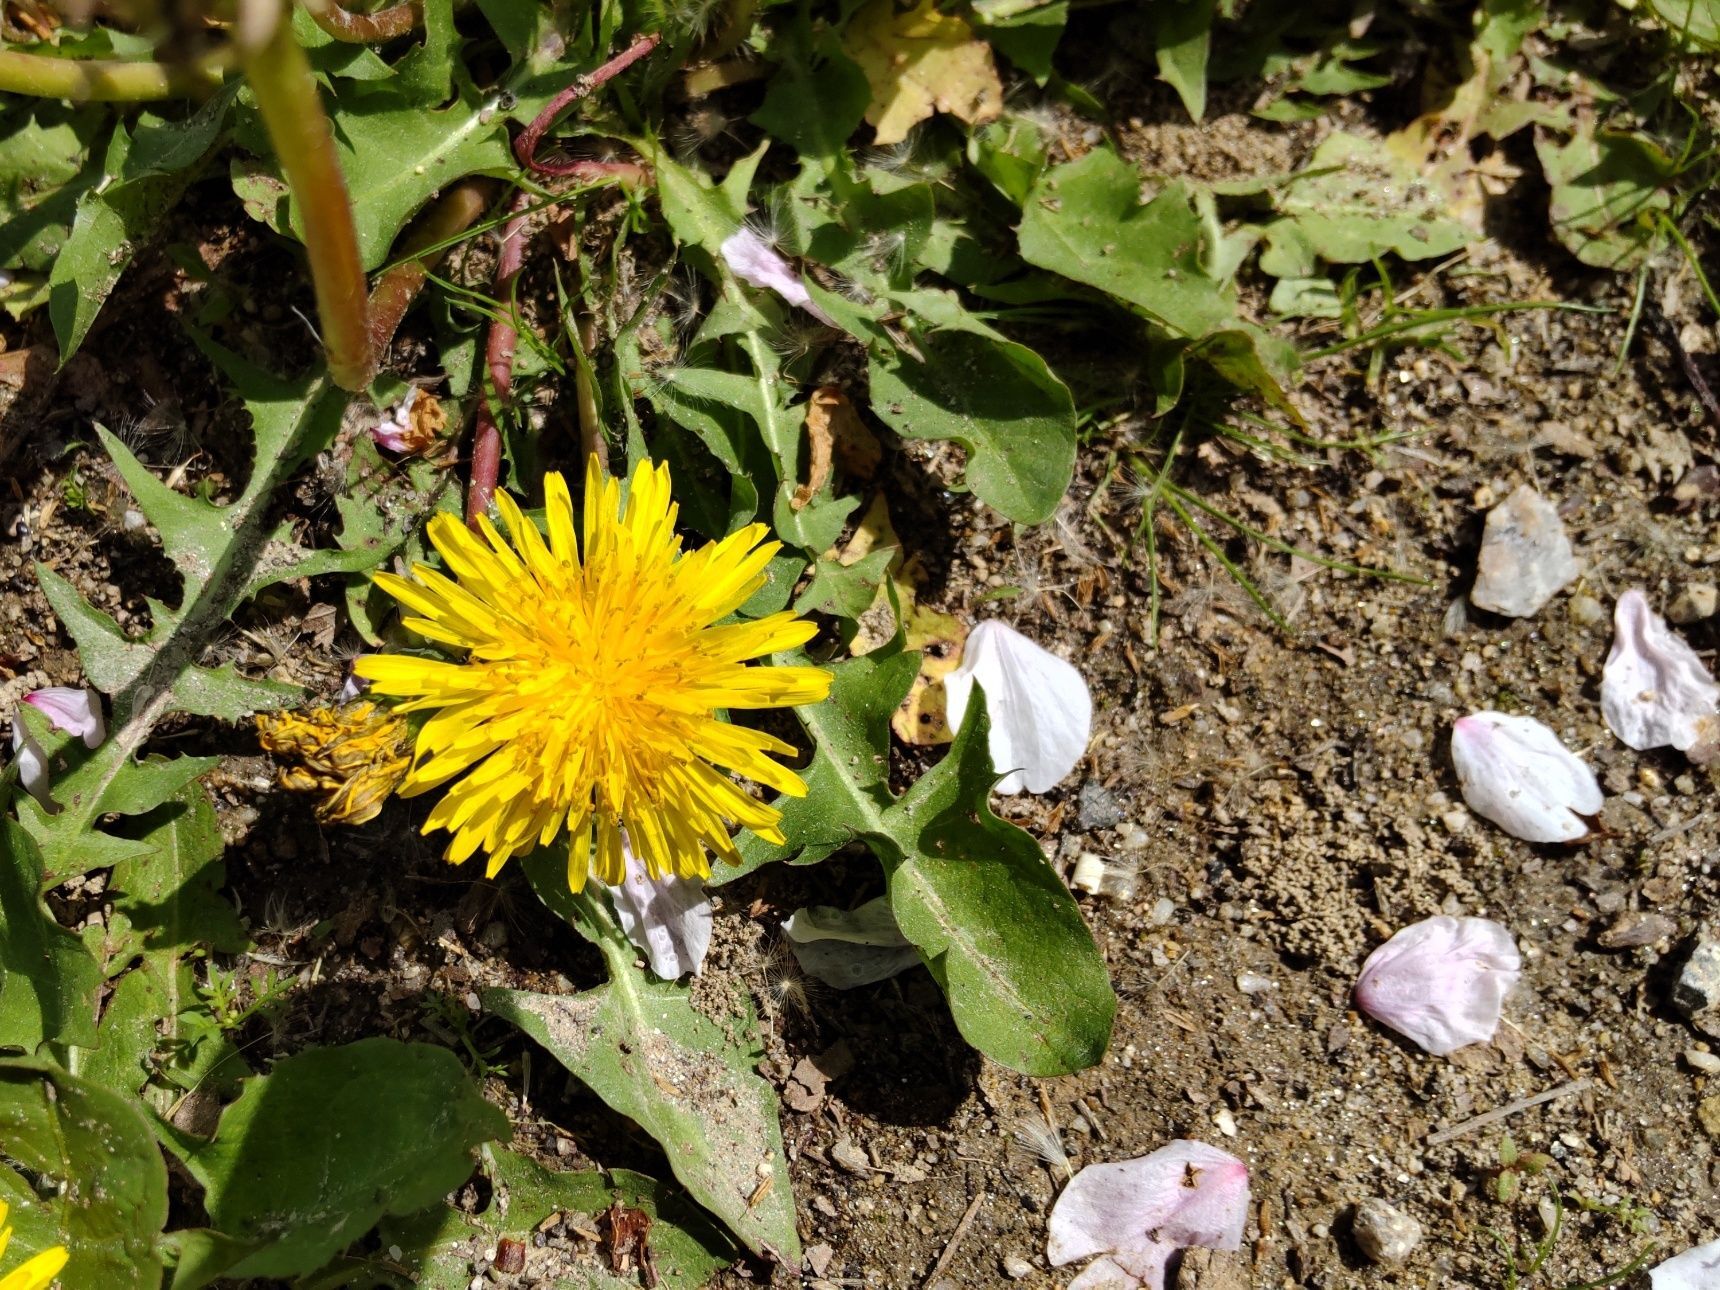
312,1154
102,1190
641,1046
1000,932
441,1245
48,979
1609,188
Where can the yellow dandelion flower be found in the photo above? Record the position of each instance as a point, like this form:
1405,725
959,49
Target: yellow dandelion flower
35,1273
592,684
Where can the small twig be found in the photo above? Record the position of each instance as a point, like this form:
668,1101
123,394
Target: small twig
955,1240
1699,383
525,147
1092,1118
364,28
1509,1109
499,362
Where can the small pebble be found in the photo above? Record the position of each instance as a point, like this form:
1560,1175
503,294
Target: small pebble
1384,1233
1015,1267
1525,556
1586,611
1695,602
1096,808
1253,983
1635,930
1698,986
1704,1063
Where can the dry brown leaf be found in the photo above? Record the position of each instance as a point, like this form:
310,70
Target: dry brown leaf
921,62
821,440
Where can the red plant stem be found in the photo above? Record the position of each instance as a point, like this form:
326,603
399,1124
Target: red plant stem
525,147
456,211
364,28
499,359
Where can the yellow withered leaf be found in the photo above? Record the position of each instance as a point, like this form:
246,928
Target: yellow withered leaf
919,62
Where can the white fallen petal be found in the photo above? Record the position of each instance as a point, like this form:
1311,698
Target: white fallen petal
31,761
1040,708
1697,1269
1185,1193
848,948
71,709
1139,1270
1441,982
759,264
1655,692
668,919
1515,772
391,432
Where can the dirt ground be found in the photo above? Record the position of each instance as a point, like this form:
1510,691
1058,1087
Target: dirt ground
1271,808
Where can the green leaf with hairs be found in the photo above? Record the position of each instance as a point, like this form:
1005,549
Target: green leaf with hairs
641,1046
101,1184
1000,932
441,1245
48,978
312,1154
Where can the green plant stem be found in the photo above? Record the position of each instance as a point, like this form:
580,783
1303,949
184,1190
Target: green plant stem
436,230
108,80
364,28
286,91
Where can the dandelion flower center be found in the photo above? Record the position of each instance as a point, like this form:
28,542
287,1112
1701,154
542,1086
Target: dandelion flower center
591,681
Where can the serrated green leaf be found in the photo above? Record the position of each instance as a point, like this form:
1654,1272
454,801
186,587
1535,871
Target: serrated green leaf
312,1154
846,590
396,154
218,551
701,213
440,1246
1026,32
98,1169
168,901
641,1046
1086,220
130,1029
48,978
143,177
44,169
1026,983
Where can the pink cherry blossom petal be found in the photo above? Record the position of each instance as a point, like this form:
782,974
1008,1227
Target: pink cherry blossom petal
32,762
1138,1270
1514,771
1185,1193
72,710
759,264
668,919
1441,982
1697,1269
1655,692
1040,709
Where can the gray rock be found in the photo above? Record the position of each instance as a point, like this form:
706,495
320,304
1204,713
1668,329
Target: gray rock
1636,929
1097,808
1384,1233
1698,986
1525,556
1697,601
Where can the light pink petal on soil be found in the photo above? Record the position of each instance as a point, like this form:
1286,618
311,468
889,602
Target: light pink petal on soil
1441,982
668,919
1140,1270
1040,709
759,264
1697,1269
1185,1193
1655,693
1514,771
